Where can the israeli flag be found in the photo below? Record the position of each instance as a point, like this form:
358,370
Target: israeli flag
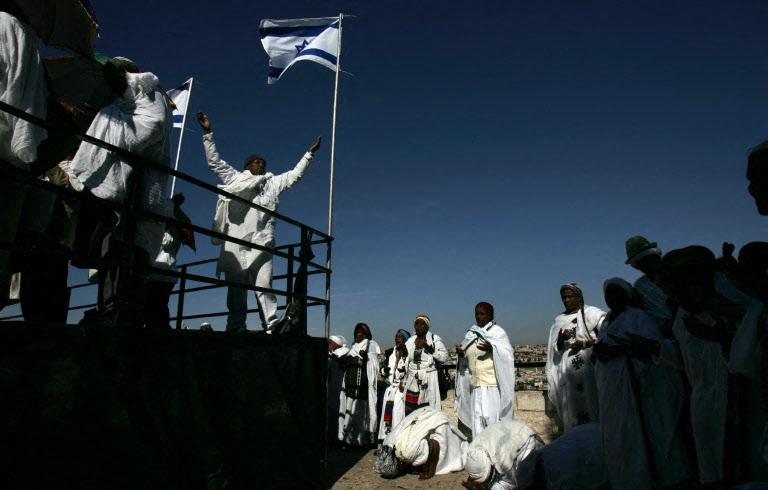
180,98
290,40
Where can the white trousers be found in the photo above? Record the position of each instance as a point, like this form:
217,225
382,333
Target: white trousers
486,405
260,274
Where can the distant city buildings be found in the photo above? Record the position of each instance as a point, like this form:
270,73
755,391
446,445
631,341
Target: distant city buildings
529,378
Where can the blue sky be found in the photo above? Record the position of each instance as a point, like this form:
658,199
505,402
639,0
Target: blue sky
486,150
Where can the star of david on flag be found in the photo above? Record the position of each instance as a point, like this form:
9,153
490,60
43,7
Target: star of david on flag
287,41
180,98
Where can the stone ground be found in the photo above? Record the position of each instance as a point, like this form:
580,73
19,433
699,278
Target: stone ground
353,469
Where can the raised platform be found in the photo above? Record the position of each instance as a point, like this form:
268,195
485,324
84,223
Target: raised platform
94,408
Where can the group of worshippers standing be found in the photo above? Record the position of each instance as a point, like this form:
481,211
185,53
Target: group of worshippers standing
414,434
89,224
670,383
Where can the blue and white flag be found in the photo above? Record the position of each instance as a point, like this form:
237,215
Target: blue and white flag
290,40
180,98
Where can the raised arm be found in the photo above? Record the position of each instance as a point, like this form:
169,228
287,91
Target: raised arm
288,179
224,171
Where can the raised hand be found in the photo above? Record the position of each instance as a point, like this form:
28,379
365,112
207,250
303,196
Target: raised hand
204,122
316,145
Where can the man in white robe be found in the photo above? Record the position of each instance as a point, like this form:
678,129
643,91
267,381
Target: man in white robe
239,263
641,400
503,457
425,353
485,375
570,372
426,438
139,121
22,85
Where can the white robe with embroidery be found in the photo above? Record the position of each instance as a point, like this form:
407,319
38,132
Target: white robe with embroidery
504,367
357,418
397,370
422,376
570,373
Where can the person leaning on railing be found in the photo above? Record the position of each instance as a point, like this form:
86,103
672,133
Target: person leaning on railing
139,121
241,264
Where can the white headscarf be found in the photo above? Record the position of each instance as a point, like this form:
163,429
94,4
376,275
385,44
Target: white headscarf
478,464
338,340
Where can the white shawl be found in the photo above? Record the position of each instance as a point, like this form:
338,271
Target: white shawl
140,122
503,444
243,186
22,85
416,427
503,364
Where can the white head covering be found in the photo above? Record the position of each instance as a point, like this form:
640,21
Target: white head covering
478,464
425,319
339,340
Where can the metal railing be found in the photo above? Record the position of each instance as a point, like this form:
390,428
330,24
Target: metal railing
132,213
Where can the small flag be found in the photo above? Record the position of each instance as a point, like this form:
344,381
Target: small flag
290,40
180,98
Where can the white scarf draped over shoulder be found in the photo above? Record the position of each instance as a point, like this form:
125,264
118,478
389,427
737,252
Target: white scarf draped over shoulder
233,212
504,366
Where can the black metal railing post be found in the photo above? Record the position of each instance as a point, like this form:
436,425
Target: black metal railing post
289,278
180,301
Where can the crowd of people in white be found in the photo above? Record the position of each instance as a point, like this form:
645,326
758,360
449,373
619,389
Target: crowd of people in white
664,390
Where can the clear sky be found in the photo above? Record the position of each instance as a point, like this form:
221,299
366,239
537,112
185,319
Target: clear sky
486,150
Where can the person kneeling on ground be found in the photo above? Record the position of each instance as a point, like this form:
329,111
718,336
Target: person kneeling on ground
503,457
426,442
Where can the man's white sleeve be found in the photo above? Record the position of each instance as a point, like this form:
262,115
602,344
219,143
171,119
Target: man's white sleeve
288,179
224,171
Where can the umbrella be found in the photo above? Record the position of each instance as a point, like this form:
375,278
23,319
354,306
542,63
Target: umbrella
68,24
77,83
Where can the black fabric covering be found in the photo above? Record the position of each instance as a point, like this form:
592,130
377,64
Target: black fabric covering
103,408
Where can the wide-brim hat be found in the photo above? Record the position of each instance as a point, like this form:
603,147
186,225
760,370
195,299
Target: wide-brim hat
639,247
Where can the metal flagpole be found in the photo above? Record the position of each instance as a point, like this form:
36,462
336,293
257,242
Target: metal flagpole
330,192
181,135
